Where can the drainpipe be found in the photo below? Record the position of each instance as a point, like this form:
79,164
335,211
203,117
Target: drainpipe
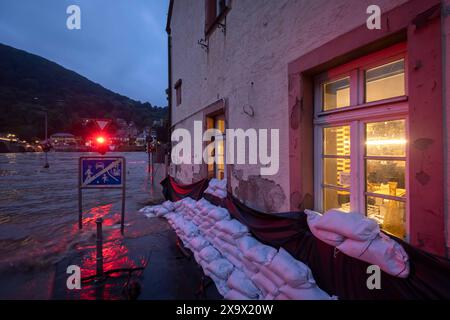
169,79
445,12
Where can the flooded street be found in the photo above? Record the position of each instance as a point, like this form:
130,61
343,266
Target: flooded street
39,220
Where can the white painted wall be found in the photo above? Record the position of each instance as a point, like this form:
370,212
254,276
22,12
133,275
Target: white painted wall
262,37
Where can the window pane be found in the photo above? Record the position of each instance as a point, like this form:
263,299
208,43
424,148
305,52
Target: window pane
336,172
337,141
386,81
390,214
387,138
336,94
386,177
336,199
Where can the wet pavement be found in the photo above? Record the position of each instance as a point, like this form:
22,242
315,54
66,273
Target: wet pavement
39,235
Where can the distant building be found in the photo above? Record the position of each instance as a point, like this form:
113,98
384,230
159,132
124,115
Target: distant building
62,138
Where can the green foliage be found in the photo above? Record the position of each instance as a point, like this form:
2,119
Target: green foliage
31,85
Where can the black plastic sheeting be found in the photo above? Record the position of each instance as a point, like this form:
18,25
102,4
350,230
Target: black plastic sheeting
334,272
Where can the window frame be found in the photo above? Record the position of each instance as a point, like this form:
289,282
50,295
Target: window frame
357,115
212,17
178,92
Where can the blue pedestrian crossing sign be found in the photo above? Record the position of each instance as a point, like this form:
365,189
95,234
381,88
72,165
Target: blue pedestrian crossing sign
102,172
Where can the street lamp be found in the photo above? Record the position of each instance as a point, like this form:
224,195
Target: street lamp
46,146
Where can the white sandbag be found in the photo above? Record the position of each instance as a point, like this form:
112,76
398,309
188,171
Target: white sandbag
249,265
168,205
264,284
197,220
202,203
189,229
161,211
282,296
218,214
313,293
241,283
295,273
268,297
260,254
235,295
232,227
382,251
332,238
272,276
234,260
177,204
351,225
221,268
206,224
198,243
221,184
226,237
213,183
220,193
209,254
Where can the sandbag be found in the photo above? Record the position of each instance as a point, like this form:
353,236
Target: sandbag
260,254
220,193
250,266
382,251
351,225
264,284
282,296
221,268
234,260
313,293
235,295
293,272
272,276
219,213
241,283
198,243
226,237
209,254
332,238
168,205
189,229
232,227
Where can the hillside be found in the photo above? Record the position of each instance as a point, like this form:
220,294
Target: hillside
30,84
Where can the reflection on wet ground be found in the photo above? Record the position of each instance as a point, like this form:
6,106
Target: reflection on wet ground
39,235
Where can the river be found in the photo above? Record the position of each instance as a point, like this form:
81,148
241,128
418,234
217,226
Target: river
39,218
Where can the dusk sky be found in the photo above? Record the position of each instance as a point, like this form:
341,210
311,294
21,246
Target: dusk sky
122,44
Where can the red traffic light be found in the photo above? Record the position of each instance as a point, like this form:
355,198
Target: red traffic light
100,144
100,140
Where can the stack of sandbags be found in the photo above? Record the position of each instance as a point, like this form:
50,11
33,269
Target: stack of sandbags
360,237
158,210
217,188
240,266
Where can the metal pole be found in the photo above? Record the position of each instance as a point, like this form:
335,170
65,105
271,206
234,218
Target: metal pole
80,197
99,259
122,222
46,165
166,164
153,168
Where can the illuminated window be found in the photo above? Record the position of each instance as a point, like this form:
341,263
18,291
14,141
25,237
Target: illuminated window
336,94
217,169
361,154
336,168
385,166
386,81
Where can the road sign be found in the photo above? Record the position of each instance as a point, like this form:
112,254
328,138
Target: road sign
101,172
102,123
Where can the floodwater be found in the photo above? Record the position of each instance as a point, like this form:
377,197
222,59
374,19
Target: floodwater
39,235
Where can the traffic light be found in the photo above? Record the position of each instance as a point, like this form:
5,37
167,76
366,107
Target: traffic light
101,144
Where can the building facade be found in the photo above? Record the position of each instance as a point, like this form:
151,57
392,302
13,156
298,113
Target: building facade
362,112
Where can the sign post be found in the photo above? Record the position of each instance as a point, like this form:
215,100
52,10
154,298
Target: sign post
101,173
